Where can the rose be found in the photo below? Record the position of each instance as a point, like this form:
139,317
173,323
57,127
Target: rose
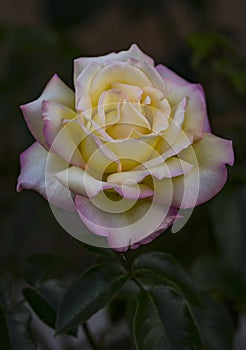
127,151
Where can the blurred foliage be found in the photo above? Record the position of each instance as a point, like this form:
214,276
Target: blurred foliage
211,245
214,55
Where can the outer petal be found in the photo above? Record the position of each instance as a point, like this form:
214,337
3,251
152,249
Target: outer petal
56,91
36,175
171,218
177,89
60,136
134,52
208,175
126,228
167,73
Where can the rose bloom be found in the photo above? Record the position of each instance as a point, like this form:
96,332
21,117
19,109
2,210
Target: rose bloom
127,151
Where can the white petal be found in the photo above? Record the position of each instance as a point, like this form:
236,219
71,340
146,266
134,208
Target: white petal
133,52
37,173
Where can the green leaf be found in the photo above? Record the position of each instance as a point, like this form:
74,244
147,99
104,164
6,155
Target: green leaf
215,325
165,267
40,267
89,293
163,320
212,274
53,292
18,322
45,300
40,306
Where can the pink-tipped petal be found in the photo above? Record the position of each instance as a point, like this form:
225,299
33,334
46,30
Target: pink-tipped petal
171,218
209,157
56,91
58,134
177,89
126,228
167,73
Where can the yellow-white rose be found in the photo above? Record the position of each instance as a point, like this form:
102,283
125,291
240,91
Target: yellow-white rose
127,150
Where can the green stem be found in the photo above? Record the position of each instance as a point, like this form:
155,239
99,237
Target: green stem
89,336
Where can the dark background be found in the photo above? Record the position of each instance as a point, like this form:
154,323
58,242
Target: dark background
204,41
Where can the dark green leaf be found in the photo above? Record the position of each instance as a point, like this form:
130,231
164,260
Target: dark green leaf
41,266
39,305
52,291
211,274
45,300
89,293
164,266
18,322
163,321
215,325
117,309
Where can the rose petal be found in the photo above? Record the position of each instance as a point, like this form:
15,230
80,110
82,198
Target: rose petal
167,73
182,142
80,182
171,168
131,118
55,90
172,217
58,136
209,157
37,173
133,152
177,89
98,156
133,52
82,86
152,74
125,228
170,135
116,72
134,93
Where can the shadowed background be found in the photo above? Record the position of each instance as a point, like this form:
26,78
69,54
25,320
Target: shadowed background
204,41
